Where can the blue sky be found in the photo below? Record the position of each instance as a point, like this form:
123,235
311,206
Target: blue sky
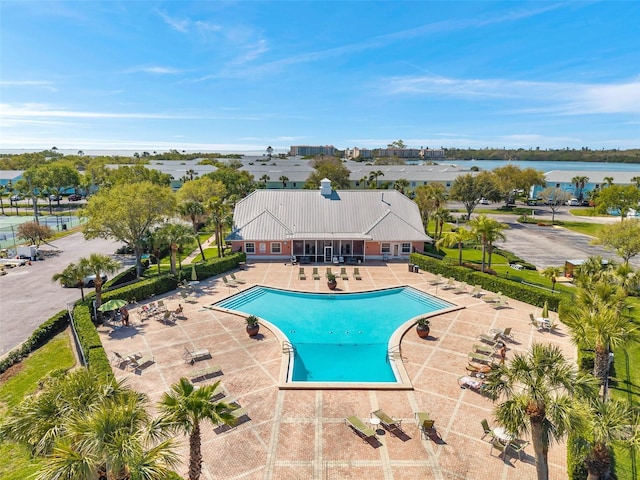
244,75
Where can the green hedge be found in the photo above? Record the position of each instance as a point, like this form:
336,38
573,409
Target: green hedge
39,337
492,283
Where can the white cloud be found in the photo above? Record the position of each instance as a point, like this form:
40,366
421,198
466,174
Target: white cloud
41,111
154,70
29,83
180,25
567,98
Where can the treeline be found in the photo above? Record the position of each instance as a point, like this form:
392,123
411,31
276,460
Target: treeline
23,161
560,155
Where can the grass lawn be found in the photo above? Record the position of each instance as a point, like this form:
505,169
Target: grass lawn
627,387
15,460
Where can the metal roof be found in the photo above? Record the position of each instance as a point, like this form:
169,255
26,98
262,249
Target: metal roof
381,215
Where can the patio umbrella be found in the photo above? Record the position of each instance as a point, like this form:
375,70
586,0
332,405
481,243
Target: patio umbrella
112,305
194,275
545,310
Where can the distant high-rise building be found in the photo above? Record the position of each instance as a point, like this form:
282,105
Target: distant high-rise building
312,150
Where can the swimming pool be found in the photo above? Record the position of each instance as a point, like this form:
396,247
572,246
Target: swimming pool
338,337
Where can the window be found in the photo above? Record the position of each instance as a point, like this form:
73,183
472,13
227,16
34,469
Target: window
249,248
276,247
386,248
406,248
263,248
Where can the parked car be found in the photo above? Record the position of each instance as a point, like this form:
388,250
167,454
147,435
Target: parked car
74,197
573,202
55,198
532,202
88,282
484,201
15,198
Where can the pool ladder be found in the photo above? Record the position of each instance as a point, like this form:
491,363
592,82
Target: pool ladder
394,353
287,347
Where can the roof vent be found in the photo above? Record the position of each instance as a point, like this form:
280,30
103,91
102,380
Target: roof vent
325,187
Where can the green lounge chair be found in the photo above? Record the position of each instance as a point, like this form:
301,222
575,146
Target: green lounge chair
484,348
487,430
360,428
501,303
236,279
479,358
301,274
450,284
461,288
425,424
476,292
356,274
388,423
316,275
229,283
343,273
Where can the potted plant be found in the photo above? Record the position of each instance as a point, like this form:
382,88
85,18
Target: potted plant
422,327
331,281
253,327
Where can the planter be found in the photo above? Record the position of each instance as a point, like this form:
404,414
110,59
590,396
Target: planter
423,331
332,285
252,330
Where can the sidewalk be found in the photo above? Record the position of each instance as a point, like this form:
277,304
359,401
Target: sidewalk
189,258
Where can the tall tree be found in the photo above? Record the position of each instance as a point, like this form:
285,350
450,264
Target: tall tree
284,179
331,168
554,197
402,185
184,408
622,237
579,181
599,319
606,424
486,231
175,235
98,265
620,198
536,391
457,239
429,199
126,212
35,233
72,276
196,213
373,177
470,189
221,216
58,177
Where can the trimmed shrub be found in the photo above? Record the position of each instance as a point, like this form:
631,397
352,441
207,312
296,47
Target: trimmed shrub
39,337
525,293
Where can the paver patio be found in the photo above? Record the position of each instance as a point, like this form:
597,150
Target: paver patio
301,434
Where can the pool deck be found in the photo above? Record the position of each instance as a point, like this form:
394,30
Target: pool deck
301,434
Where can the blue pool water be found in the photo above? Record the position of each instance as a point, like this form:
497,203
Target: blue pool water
337,338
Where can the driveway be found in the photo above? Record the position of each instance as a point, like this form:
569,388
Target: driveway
28,297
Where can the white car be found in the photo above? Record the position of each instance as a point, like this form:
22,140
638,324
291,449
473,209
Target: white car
573,202
484,201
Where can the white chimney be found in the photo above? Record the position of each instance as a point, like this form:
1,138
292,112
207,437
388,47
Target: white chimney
325,187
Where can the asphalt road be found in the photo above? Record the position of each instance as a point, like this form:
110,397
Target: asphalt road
28,297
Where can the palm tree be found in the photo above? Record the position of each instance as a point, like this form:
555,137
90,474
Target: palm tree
83,426
429,199
440,216
600,320
284,181
579,181
487,230
636,180
608,181
606,425
98,265
402,184
221,214
264,179
456,238
373,177
185,407
536,392
195,212
72,276
552,273
175,235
